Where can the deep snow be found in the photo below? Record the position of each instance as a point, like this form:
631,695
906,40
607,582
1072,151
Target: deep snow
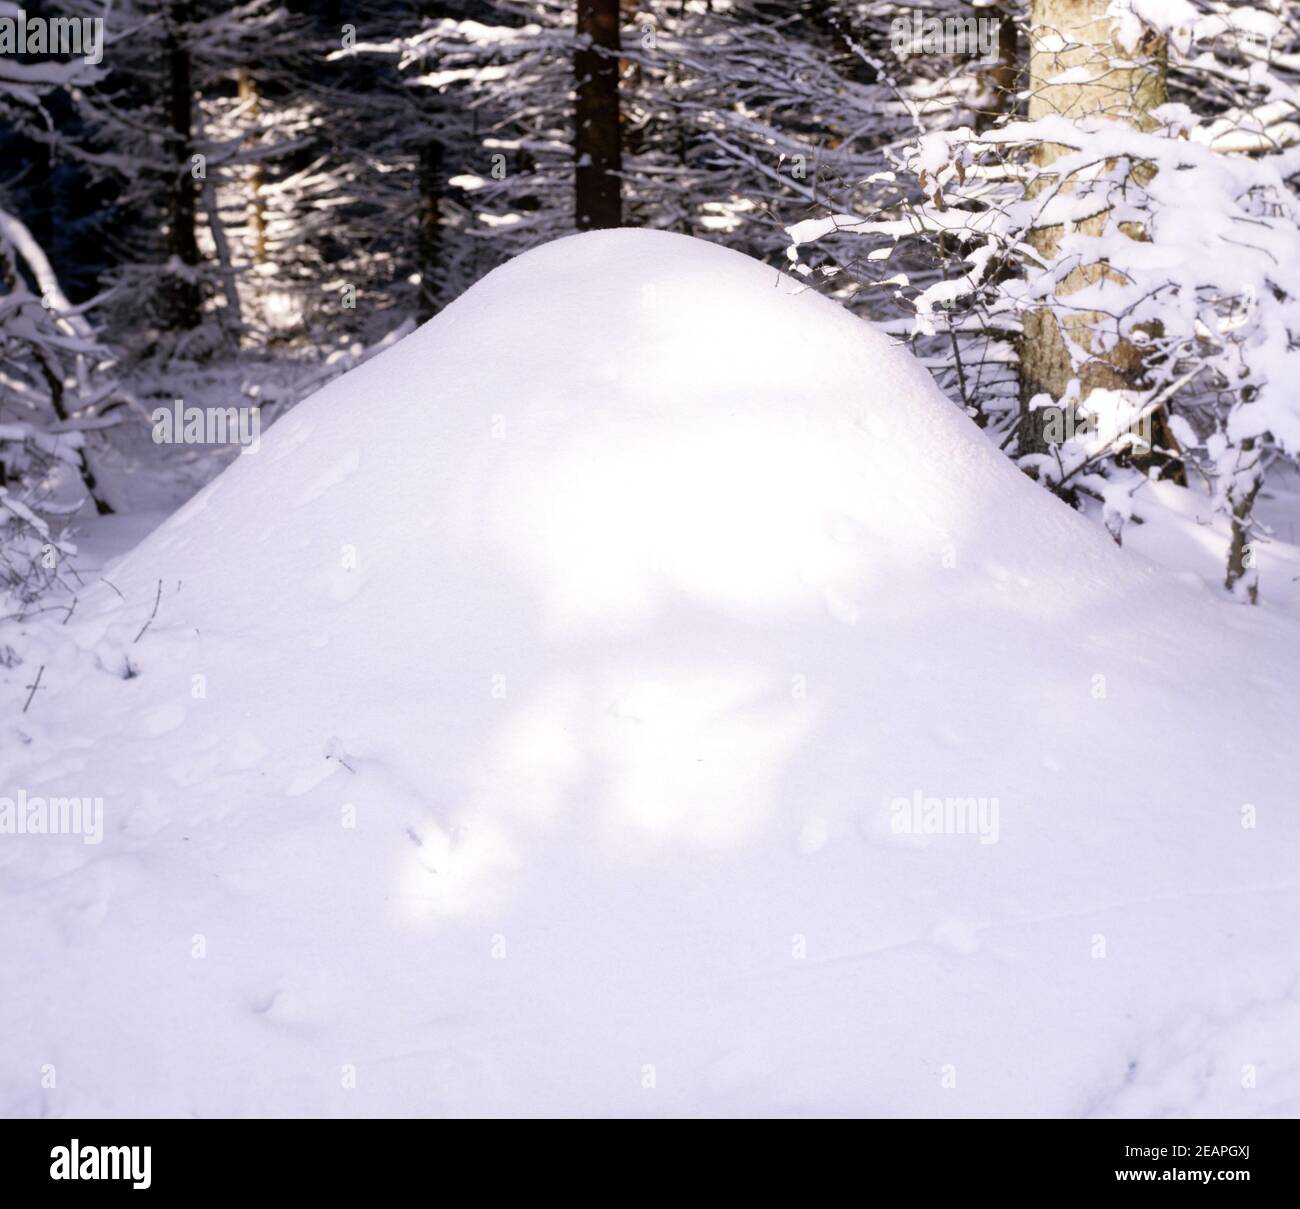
556,671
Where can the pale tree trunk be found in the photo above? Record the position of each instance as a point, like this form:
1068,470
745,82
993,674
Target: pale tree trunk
251,104
232,315
1244,487
1074,36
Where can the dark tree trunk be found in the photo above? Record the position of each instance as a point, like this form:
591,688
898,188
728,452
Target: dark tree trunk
1000,79
428,243
597,141
182,199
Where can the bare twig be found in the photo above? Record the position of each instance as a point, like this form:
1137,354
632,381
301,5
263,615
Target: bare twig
35,684
147,624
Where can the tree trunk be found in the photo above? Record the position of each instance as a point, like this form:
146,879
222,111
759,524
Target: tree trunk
252,109
999,81
1074,36
428,237
597,140
182,236
232,316
1244,487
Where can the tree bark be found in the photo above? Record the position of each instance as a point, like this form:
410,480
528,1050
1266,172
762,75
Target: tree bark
1075,36
232,316
251,101
999,81
1242,502
428,237
597,138
182,206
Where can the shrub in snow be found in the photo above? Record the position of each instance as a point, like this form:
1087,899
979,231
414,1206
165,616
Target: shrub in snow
52,373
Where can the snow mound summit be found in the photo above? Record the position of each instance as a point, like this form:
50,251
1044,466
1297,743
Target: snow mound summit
625,419
640,692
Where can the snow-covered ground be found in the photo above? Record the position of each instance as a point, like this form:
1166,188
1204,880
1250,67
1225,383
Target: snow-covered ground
534,725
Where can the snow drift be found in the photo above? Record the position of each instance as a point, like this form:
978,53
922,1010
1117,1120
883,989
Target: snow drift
548,718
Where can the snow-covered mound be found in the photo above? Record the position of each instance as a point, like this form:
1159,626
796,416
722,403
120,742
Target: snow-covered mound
548,718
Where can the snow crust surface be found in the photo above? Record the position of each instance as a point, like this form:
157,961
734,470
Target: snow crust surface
521,730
